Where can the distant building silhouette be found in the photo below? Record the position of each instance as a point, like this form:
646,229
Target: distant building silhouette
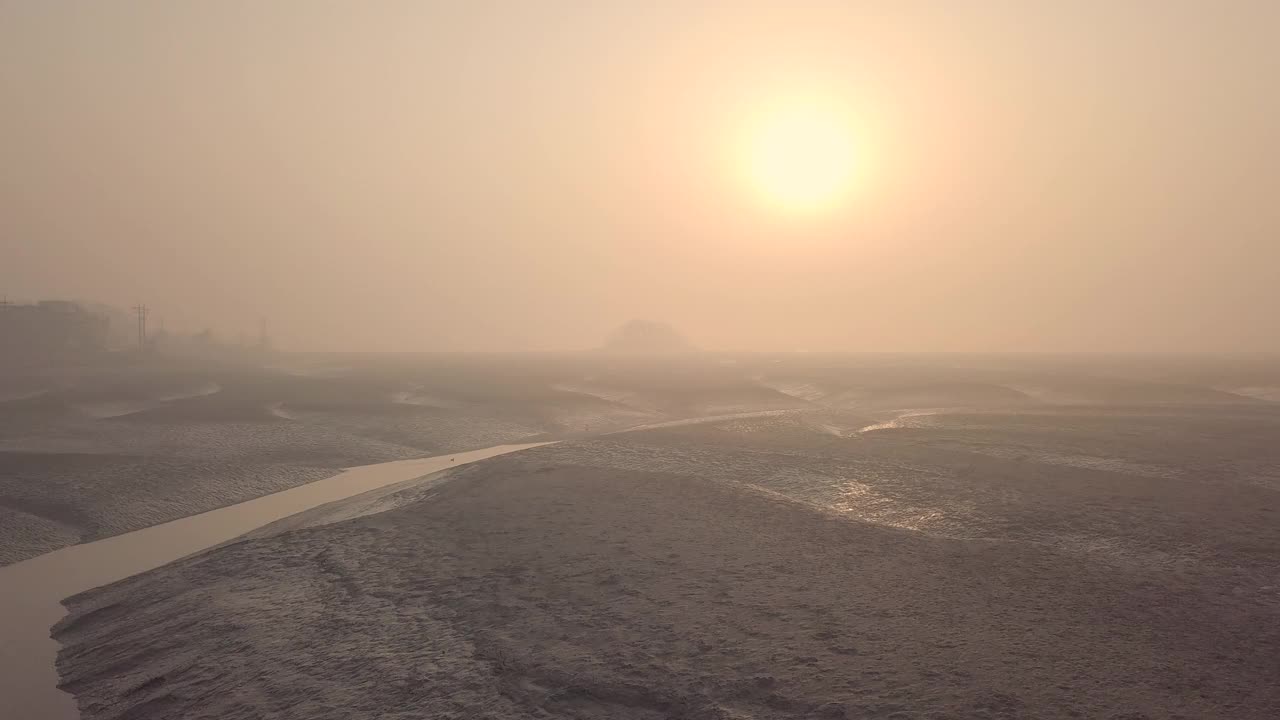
50,330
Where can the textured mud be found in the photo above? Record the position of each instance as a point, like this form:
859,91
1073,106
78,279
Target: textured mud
785,566
94,457
92,454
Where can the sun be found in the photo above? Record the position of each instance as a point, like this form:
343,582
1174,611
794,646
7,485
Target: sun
800,156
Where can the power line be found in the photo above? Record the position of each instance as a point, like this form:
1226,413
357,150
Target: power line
141,311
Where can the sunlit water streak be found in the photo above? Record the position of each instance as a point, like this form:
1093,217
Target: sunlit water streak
31,592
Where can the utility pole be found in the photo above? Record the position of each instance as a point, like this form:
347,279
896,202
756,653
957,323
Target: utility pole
141,311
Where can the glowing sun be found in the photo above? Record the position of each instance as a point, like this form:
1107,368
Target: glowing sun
801,156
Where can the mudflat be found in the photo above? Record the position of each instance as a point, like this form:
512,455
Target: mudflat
723,581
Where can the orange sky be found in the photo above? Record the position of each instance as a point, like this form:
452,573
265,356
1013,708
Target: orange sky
498,175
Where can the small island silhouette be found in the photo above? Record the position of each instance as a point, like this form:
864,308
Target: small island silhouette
647,337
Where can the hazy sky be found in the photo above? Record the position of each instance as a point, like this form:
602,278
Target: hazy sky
1074,175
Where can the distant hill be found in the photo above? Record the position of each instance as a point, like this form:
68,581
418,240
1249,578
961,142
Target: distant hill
647,337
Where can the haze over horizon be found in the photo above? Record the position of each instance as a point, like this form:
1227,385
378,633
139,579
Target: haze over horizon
500,176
